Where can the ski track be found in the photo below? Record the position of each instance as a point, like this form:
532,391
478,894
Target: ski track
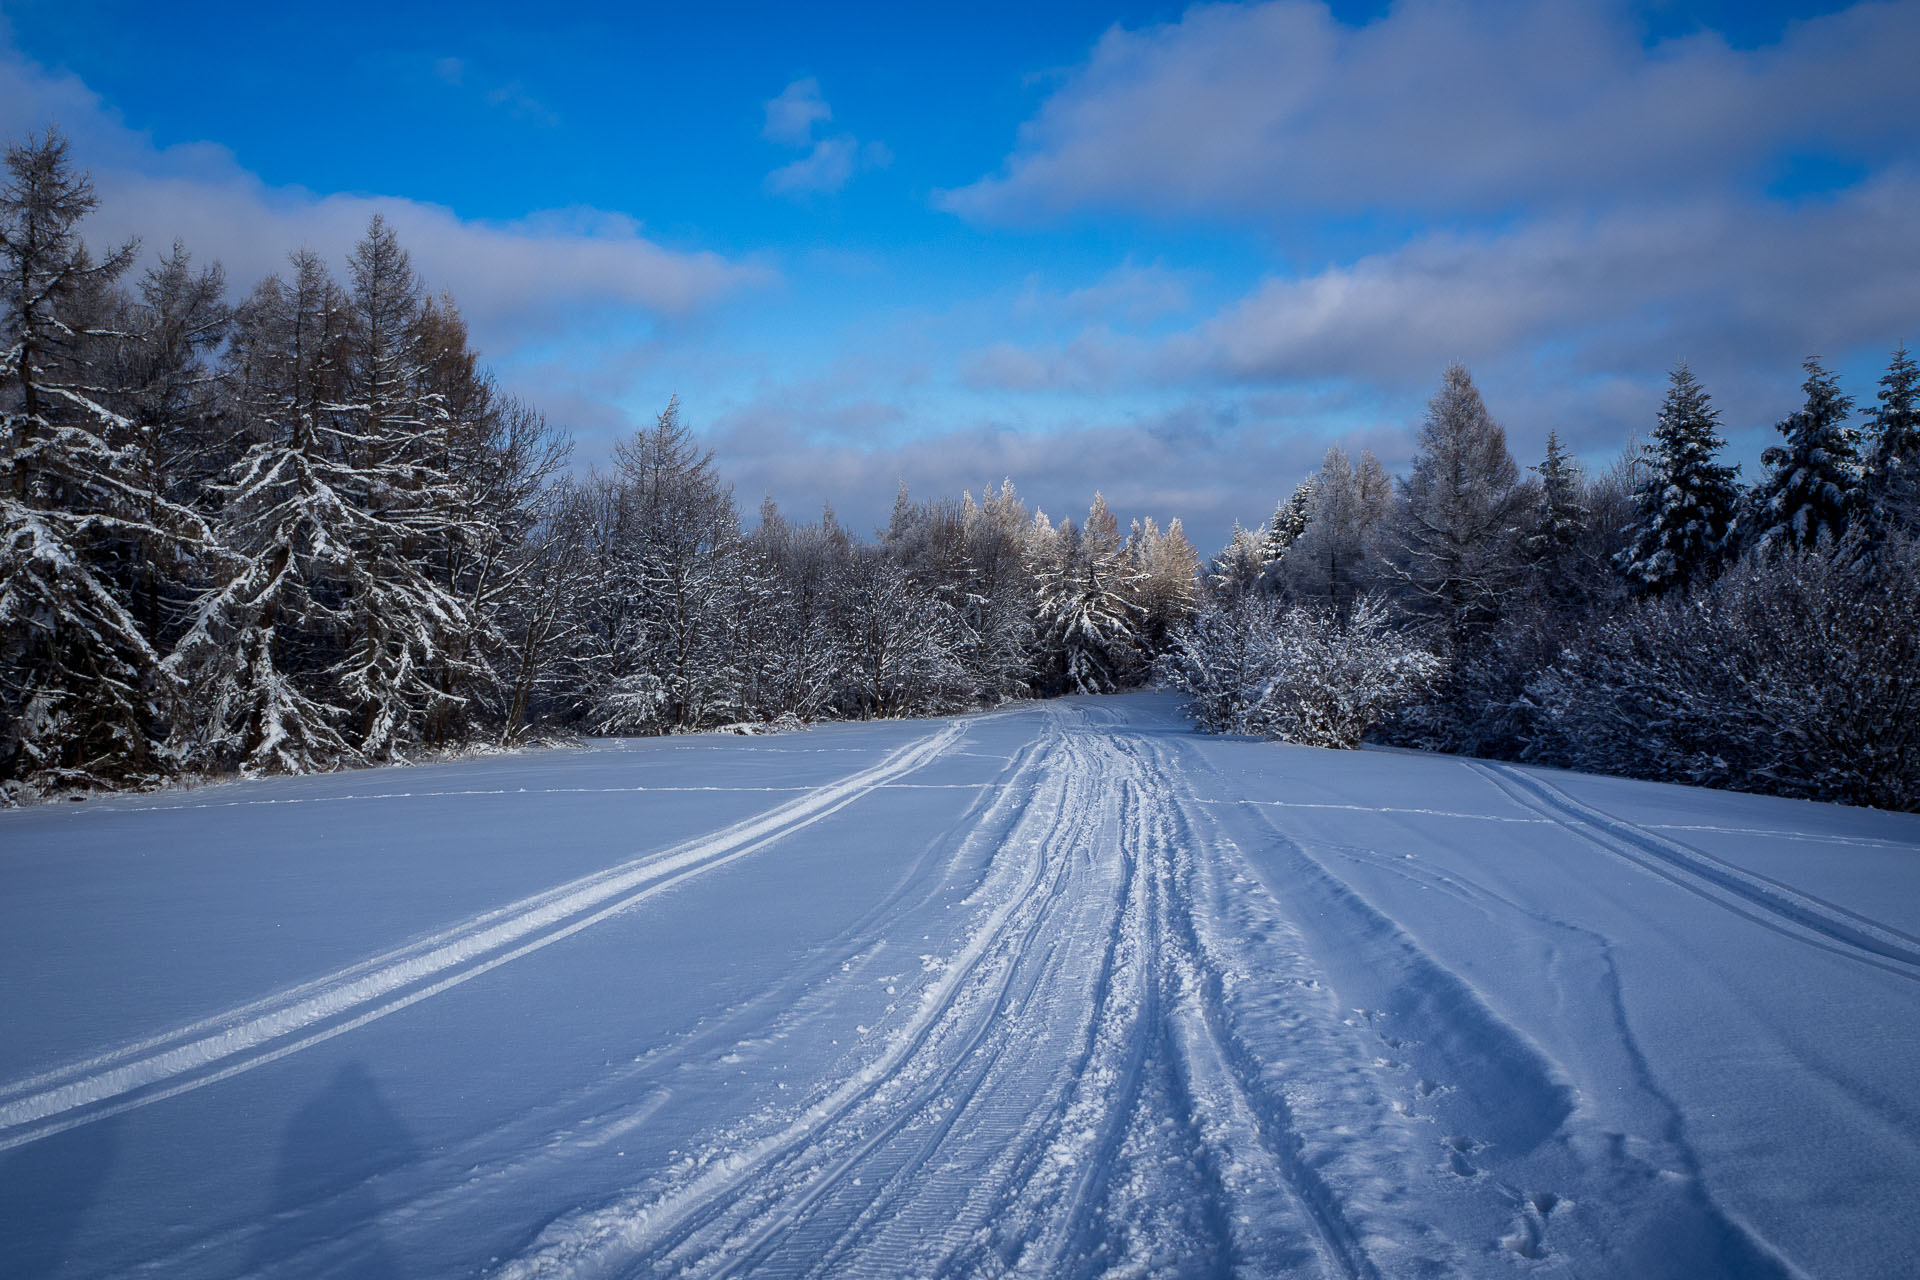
213,1049
1508,1116
1761,899
1073,1094
1159,1034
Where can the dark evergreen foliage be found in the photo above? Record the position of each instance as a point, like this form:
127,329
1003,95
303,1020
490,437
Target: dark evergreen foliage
1811,488
1890,488
1687,501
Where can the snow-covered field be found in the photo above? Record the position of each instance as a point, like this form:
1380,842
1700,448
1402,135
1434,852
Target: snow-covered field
1062,990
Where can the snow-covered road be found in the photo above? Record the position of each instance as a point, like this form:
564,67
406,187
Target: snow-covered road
1061,990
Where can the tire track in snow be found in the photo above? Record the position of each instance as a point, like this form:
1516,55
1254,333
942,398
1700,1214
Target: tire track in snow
214,1049
1784,909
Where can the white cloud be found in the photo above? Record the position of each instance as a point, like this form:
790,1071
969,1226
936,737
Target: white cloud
1275,108
1747,289
830,162
1129,292
1208,460
792,115
826,168
1757,285
520,280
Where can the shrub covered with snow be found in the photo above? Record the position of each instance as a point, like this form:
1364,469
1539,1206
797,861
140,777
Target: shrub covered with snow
1298,673
1796,673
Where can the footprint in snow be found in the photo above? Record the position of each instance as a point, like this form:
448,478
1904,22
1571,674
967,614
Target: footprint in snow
1459,1147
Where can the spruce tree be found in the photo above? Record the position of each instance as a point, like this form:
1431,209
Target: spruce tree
1561,519
1289,522
1812,485
1687,502
1891,485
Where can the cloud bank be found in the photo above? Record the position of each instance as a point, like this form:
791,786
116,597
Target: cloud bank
1269,109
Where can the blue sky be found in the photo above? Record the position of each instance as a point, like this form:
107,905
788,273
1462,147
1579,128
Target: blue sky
1169,252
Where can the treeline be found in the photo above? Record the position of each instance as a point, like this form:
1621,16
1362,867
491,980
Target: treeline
1660,620
308,531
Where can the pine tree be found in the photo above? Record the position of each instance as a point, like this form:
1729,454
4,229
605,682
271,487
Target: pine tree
1687,502
1812,485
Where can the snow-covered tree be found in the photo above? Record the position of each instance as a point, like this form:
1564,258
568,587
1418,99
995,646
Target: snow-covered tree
1457,523
677,528
1089,605
158,371
896,642
1812,484
410,634
1299,673
1239,567
1004,599
1561,515
1289,521
1334,558
1168,577
1688,501
1891,485
541,612
257,659
82,696
1795,672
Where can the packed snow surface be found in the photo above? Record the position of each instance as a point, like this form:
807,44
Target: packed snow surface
1066,990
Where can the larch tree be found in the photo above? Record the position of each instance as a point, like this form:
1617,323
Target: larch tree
1333,558
257,661
1169,582
1459,512
406,626
82,696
